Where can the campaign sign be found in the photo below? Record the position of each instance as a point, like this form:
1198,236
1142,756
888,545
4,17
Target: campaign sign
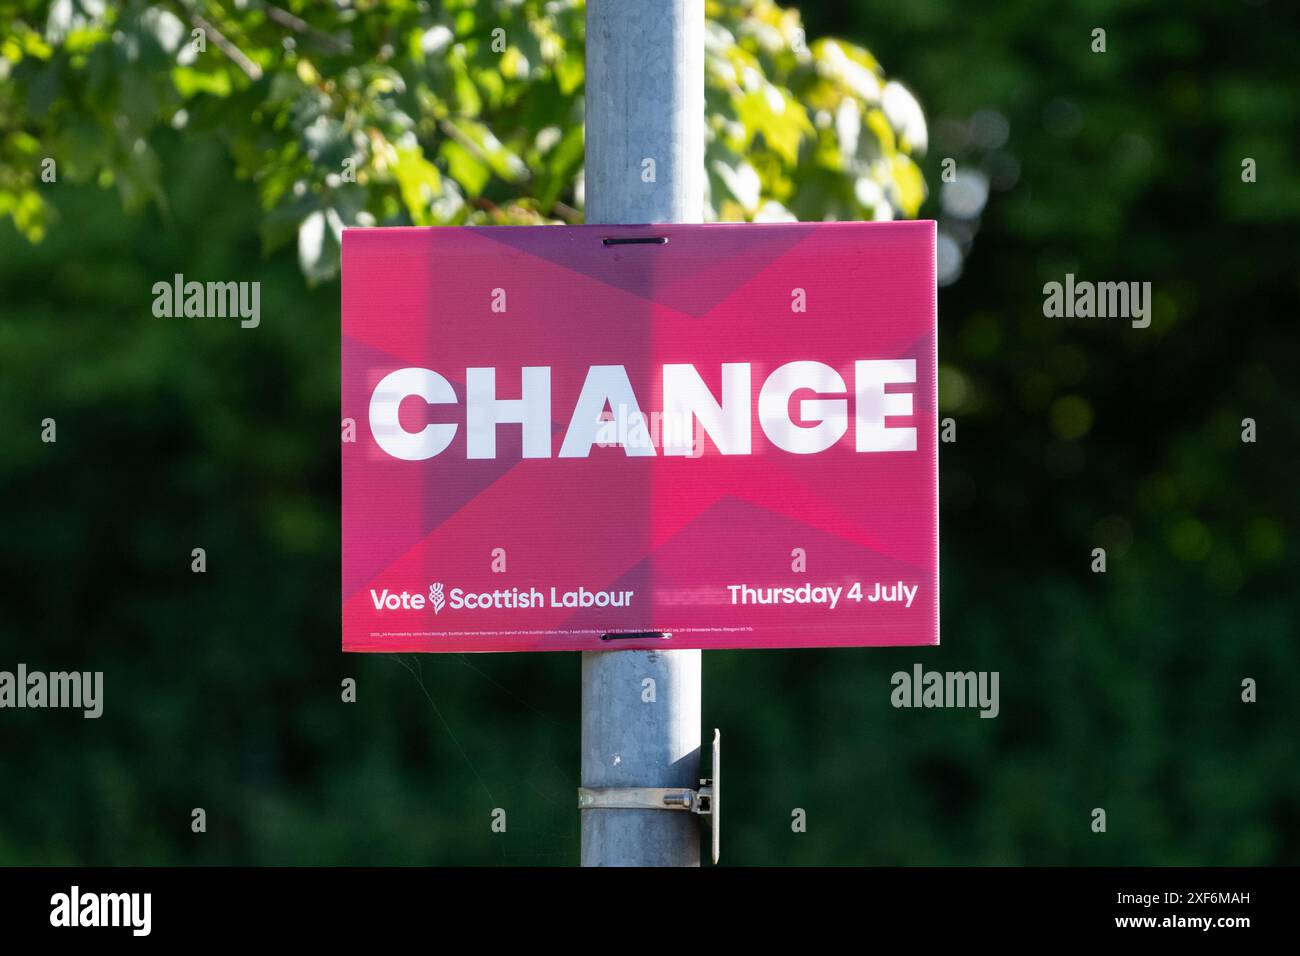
705,435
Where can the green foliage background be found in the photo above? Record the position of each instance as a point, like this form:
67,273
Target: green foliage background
222,690
401,112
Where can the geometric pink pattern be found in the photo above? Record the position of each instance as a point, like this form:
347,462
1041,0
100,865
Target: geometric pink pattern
675,531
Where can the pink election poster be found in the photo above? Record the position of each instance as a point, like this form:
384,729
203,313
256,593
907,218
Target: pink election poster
704,436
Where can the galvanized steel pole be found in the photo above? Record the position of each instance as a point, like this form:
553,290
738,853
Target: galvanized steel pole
644,164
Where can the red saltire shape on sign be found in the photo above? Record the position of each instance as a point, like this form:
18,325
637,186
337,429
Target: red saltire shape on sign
563,433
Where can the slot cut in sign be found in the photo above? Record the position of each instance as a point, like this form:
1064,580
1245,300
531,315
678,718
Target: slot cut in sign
690,436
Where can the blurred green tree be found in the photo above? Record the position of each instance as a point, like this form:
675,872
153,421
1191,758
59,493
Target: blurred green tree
463,112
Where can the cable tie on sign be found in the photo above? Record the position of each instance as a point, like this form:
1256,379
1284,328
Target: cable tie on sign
635,241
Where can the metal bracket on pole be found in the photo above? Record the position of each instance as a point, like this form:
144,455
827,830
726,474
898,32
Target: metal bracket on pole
706,801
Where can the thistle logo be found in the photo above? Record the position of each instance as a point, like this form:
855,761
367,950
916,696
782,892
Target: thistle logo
436,598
